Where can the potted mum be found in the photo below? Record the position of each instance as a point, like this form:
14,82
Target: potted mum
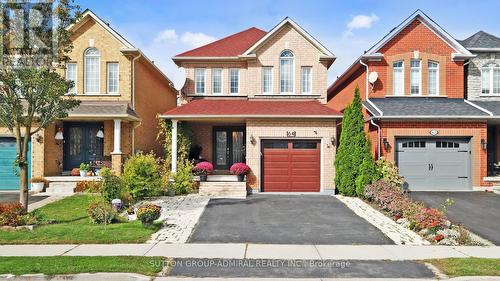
84,168
37,184
202,169
240,170
148,213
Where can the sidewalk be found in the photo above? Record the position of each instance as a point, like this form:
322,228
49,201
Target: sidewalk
257,251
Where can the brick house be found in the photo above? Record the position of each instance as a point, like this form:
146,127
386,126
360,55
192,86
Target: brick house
260,97
121,93
413,85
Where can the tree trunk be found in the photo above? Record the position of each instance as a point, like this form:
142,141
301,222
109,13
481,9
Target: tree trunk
23,176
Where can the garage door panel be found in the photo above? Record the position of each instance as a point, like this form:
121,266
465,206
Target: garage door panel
295,169
435,164
8,178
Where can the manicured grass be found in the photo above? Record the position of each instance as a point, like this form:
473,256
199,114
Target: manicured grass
74,265
467,266
70,224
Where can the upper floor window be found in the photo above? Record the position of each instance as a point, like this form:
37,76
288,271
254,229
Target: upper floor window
267,80
433,73
415,77
92,71
234,80
113,77
490,79
199,78
286,72
71,75
398,78
217,81
306,79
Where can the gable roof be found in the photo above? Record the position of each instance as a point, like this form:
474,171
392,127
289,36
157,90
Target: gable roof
128,47
373,52
297,27
230,46
429,23
481,41
244,44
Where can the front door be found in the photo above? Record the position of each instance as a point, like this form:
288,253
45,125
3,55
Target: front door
81,144
229,146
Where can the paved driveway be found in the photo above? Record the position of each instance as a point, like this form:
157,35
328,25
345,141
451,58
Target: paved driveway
477,211
284,219
6,197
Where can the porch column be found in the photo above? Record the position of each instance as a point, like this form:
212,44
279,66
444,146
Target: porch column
117,136
174,145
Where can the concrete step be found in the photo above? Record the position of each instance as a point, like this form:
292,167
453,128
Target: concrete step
61,188
223,189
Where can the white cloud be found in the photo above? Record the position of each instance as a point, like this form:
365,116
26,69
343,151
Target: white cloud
196,39
167,35
360,21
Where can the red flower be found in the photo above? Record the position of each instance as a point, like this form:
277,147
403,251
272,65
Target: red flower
239,169
439,237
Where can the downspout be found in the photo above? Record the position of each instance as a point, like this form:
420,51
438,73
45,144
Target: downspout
368,100
133,99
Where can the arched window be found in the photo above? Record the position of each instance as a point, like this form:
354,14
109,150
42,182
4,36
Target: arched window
490,79
92,72
286,72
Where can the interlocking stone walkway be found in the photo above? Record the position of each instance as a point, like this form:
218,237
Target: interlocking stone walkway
396,232
180,215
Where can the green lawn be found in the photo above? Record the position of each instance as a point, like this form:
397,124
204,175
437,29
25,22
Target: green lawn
467,266
72,225
74,265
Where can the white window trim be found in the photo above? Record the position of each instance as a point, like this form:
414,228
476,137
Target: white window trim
403,79
262,77
491,85
239,81
196,81
310,80
293,73
76,77
221,81
98,74
117,78
420,77
437,79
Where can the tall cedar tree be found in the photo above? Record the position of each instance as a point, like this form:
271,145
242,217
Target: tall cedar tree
354,165
32,97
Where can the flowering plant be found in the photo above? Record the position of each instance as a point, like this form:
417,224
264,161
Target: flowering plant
239,169
204,168
430,218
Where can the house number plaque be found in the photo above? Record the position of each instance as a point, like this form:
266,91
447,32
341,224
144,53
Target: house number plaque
291,134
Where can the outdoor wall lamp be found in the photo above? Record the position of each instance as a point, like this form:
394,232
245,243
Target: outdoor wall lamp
333,140
39,138
100,133
484,144
386,143
252,140
59,137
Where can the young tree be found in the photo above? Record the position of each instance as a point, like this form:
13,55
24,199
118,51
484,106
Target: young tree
354,165
32,93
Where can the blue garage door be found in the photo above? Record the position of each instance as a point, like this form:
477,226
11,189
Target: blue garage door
9,179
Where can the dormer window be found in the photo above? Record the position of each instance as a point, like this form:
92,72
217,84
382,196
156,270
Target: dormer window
490,79
286,72
92,71
398,78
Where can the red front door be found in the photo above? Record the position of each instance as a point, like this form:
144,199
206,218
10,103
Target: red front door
291,165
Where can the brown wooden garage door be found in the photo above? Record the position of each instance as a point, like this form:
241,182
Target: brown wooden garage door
291,165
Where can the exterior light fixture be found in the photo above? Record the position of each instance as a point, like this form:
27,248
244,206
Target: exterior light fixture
59,137
484,144
100,133
386,144
333,140
252,140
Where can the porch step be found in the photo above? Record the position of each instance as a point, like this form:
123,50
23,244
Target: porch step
218,189
61,188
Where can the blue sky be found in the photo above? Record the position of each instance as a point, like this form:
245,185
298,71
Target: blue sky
164,28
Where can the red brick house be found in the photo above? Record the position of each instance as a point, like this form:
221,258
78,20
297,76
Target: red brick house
413,85
260,97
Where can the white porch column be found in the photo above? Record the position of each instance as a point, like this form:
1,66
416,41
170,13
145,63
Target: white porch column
117,136
174,145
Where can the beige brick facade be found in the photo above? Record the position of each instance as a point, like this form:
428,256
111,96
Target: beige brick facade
277,129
